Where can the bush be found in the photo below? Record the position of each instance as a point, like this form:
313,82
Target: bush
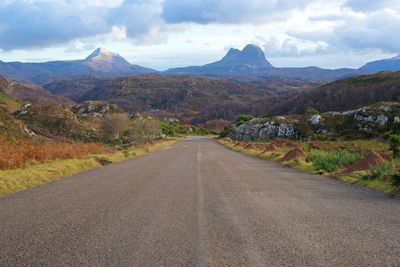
242,119
388,171
114,125
143,131
332,160
396,180
394,145
382,171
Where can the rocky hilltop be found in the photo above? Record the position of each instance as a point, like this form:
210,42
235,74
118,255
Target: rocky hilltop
378,120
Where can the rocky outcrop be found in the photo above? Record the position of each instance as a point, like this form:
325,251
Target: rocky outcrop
264,131
370,121
96,109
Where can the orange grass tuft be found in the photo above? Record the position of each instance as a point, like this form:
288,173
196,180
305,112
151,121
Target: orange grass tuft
15,154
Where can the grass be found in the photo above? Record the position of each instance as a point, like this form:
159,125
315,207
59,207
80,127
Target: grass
358,178
332,160
18,153
10,104
337,155
35,174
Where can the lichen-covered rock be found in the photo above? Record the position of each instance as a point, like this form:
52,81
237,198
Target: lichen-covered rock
372,121
265,131
96,109
382,120
315,119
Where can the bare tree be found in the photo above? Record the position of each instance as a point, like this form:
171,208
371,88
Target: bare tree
144,130
114,125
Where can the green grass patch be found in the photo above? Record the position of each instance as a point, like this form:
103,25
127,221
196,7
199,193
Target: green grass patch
358,178
332,160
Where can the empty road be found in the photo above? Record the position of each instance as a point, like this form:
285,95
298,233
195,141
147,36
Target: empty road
198,204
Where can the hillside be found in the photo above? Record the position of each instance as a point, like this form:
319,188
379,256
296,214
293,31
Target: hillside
391,64
191,99
341,95
373,121
26,92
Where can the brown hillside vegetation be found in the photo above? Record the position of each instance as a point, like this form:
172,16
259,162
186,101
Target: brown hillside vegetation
195,99
341,95
27,92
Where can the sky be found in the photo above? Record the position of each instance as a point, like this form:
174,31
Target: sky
162,34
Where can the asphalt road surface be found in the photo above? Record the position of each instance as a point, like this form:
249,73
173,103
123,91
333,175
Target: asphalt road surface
198,204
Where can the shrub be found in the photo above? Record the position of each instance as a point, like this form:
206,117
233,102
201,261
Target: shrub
243,118
143,131
396,180
114,125
311,111
394,145
388,171
382,171
332,160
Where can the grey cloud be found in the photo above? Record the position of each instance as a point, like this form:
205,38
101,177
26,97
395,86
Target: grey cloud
375,31
34,24
223,11
37,24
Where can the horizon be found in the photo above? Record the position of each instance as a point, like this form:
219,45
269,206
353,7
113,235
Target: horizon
170,33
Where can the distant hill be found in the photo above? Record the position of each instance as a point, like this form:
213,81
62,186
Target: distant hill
248,63
341,95
101,62
191,99
251,62
26,92
391,64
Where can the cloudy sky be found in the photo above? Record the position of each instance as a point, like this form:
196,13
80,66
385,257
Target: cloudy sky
170,33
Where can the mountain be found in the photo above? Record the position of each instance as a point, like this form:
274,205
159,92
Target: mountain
101,62
236,62
251,62
340,95
391,64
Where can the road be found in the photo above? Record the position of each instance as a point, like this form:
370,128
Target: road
198,204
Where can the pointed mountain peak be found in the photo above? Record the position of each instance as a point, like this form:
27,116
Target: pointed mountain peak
102,53
107,61
233,52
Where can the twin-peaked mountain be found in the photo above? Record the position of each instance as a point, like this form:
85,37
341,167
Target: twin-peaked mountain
250,62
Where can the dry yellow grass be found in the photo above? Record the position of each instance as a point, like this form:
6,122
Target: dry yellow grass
40,173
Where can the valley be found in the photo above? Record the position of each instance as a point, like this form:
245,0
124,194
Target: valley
200,133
